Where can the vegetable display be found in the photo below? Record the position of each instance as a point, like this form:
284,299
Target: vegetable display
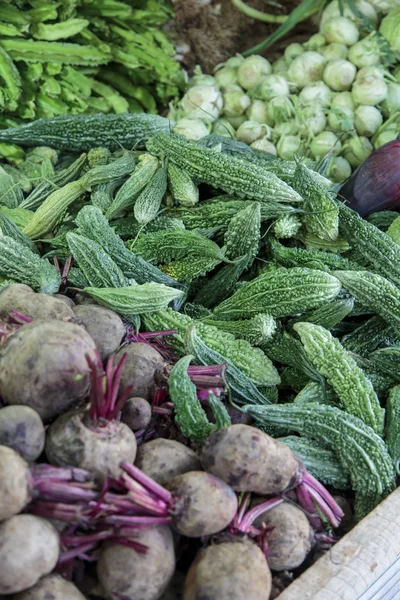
199,338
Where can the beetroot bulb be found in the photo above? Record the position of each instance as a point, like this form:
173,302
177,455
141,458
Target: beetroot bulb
375,184
251,461
94,438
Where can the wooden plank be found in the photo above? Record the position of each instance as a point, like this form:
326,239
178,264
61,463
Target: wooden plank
364,565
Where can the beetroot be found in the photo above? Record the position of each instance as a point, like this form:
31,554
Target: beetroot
140,372
22,429
29,549
37,306
95,439
162,460
44,365
51,587
14,483
136,413
103,325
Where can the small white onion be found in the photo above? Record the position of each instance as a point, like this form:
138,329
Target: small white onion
369,87
306,68
258,111
323,143
252,71
235,103
293,51
339,169
367,120
334,50
273,86
341,119
250,131
344,100
357,149
289,147
192,129
317,92
264,145
310,120
202,102
339,74
341,30
365,53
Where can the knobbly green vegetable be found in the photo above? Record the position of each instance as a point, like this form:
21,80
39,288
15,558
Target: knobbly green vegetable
251,361
18,262
168,245
361,452
243,389
149,201
256,331
387,360
327,315
369,336
10,229
190,268
94,225
283,292
222,171
135,300
182,186
189,414
322,216
318,460
313,259
286,349
96,265
332,361
287,226
374,291
392,431
219,286
372,243
242,237
139,179
10,193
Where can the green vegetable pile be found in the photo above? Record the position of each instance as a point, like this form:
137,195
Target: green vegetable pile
338,92
73,57
251,259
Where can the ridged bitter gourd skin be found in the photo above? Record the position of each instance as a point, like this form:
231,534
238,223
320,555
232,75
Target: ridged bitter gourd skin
80,133
221,171
354,389
375,292
373,244
242,237
392,430
362,453
280,293
252,361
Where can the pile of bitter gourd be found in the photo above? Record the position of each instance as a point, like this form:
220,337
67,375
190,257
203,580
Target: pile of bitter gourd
254,262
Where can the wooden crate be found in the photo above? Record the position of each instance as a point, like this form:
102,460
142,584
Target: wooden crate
363,565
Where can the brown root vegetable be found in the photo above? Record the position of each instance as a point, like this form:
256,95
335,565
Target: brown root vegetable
126,573
22,298
203,504
22,429
249,460
141,369
163,459
74,440
68,301
29,549
94,438
291,537
136,413
103,325
14,483
82,298
51,587
229,571
44,366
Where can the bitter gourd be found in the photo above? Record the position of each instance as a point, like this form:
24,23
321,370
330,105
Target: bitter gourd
387,360
83,132
327,315
392,430
242,237
149,200
322,214
299,257
130,190
287,226
375,292
369,336
129,228
10,193
190,268
383,219
361,452
222,284
94,225
189,414
376,246
354,389
168,245
280,293
256,331
136,299
319,460
59,179
227,173
242,387
96,265
9,228
252,361
19,263
182,186
315,391
220,210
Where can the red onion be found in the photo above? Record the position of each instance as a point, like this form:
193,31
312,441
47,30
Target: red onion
375,184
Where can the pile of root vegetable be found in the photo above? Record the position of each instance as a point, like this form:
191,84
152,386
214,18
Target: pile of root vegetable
338,92
198,364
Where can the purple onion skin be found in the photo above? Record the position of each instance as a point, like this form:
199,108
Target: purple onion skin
375,184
